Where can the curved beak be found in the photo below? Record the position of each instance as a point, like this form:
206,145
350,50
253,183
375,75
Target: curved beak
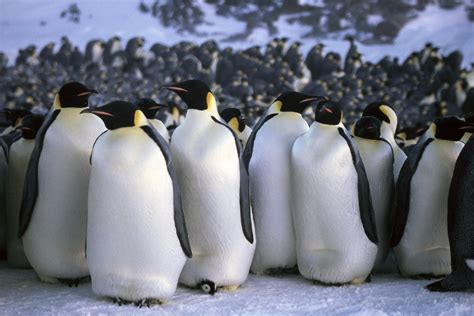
175,88
311,99
88,92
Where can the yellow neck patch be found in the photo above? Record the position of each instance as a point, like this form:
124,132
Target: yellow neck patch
140,118
211,102
234,124
275,107
57,103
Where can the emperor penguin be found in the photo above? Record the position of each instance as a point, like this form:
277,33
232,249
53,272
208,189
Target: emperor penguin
14,117
336,237
386,114
234,119
149,107
19,157
137,241
215,192
266,157
420,230
461,223
53,211
377,156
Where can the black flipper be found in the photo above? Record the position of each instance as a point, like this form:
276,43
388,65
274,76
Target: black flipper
245,214
249,147
365,201
10,138
402,191
95,141
179,220
4,147
30,191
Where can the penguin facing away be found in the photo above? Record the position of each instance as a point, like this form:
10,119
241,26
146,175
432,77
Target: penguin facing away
137,241
214,187
377,156
233,118
332,203
19,157
55,192
266,157
420,232
461,223
388,117
149,107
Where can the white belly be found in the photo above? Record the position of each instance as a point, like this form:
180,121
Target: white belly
133,251
54,242
470,264
161,128
378,162
20,153
205,157
424,246
269,171
332,246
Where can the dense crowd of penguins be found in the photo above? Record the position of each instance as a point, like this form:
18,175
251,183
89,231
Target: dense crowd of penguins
420,88
141,195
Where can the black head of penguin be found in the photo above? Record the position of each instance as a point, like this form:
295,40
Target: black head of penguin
117,114
377,110
295,102
149,107
74,95
469,118
231,115
30,125
328,112
368,127
195,93
14,116
449,128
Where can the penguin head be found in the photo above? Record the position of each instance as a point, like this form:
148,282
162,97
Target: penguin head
449,128
30,125
293,101
149,107
383,112
469,118
118,114
195,93
368,127
233,118
15,116
73,95
328,112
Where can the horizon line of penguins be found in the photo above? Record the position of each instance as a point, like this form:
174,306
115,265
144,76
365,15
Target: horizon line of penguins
107,192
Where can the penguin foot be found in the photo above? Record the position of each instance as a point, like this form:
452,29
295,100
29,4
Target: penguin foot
118,301
317,282
369,278
282,270
230,288
426,276
208,287
73,282
437,287
148,302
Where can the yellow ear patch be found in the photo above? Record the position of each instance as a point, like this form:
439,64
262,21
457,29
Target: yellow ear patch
57,103
387,111
211,102
276,107
234,124
140,118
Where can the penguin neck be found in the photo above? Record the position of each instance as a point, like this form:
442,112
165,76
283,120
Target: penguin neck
317,128
200,116
466,137
386,132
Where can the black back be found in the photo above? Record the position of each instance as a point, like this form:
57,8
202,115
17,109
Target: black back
461,209
30,191
402,190
179,220
247,155
245,214
365,200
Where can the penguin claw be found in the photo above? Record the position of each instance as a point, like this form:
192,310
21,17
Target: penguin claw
436,287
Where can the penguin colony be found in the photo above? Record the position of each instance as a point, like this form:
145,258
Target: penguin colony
140,204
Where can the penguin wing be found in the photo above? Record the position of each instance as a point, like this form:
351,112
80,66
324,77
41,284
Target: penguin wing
245,214
365,201
179,220
10,138
4,147
247,155
402,191
30,191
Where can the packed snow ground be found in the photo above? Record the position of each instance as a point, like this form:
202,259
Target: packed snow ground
20,26
22,293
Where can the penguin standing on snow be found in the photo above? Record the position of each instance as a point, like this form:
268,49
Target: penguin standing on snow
420,232
388,117
335,229
234,119
461,223
53,212
266,157
135,219
377,156
19,157
214,187
150,108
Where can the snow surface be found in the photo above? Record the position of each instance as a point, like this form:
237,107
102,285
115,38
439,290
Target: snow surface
22,293
20,26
